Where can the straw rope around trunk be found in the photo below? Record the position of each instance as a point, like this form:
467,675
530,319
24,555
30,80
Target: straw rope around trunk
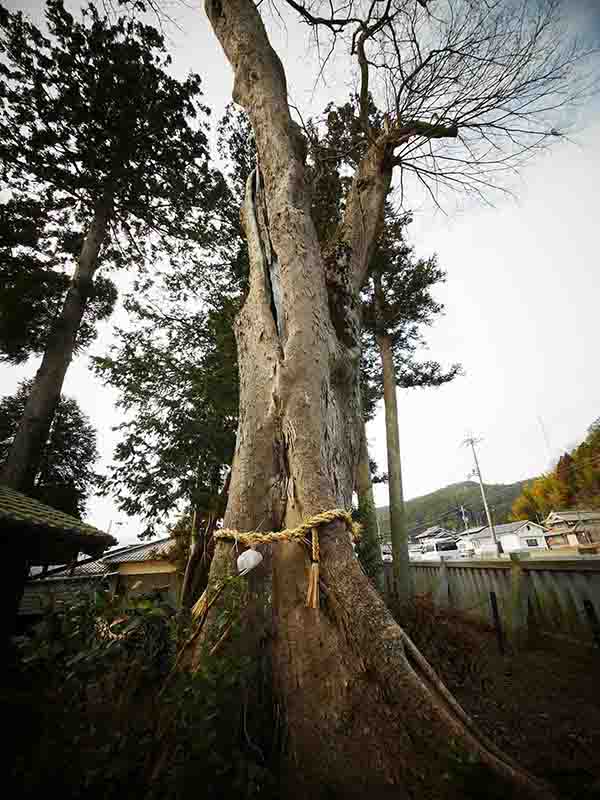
307,533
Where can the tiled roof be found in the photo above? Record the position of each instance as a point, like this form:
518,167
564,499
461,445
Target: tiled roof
18,508
471,532
149,551
434,532
511,527
500,530
572,516
87,569
90,568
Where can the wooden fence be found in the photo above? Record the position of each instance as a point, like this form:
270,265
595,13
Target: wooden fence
558,598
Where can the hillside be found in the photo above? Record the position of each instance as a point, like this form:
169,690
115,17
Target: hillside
428,509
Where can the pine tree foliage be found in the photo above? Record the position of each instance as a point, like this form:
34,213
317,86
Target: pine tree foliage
176,373
90,114
175,367
398,301
36,256
66,476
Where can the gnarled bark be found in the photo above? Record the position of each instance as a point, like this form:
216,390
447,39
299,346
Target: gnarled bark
359,715
23,460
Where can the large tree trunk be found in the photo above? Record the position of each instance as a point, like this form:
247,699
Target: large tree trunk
358,714
23,460
369,547
399,533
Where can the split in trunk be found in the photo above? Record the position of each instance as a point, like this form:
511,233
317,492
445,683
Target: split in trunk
360,712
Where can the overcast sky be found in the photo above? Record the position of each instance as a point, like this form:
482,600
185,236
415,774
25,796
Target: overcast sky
522,299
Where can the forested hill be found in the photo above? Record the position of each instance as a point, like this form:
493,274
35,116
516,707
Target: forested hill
428,509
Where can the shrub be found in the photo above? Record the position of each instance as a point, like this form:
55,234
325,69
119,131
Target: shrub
94,715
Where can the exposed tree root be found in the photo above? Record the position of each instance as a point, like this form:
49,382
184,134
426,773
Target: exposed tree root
364,710
410,685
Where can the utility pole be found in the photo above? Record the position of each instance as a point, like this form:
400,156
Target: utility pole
463,514
472,441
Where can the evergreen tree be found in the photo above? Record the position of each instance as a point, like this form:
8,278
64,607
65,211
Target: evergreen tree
95,128
397,302
176,372
36,254
175,366
65,476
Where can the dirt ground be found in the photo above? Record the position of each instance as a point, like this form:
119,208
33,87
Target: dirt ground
543,708
542,705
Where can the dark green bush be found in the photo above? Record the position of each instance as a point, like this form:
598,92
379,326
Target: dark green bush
93,714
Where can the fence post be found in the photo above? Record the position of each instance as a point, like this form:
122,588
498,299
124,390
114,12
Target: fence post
497,621
442,592
519,599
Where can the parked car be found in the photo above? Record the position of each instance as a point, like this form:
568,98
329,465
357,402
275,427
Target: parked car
434,549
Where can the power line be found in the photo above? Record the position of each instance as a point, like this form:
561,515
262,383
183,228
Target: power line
545,437
428,523
474,511
455,511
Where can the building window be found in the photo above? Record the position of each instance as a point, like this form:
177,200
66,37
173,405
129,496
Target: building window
531,542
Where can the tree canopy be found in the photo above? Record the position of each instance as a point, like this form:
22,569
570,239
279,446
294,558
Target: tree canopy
35,259
175,366
91,115
460,92
93,109
111,149
397,302
176,371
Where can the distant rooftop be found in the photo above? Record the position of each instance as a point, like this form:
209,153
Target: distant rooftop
471,532
435,532
579,515
500,530
147,551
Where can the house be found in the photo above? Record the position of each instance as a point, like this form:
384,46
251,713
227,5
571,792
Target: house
572,528
131,570
512,536
34,534
435,532
521,535
469,539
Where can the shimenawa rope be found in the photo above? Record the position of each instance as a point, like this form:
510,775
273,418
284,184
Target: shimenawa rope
301,533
